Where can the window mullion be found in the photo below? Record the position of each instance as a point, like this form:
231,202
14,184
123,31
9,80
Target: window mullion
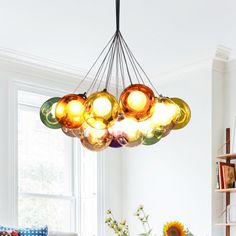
40,195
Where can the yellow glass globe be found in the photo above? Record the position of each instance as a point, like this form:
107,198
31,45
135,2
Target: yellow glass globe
101,110
102,106
185,112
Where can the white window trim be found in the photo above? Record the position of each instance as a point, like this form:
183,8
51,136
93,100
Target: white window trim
14,87
72,155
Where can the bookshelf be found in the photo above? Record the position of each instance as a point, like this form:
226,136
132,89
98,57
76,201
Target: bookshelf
231,156
226,190
225,224
228,157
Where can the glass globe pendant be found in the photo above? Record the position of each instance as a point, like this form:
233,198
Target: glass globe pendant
94,139
165,113
126,132
151,134
70,110
71,132
113,130
152,138
137,102
115,144
101,110
101,121
185,113
47,113
167,129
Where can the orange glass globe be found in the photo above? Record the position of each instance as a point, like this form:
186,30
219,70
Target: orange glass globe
101,110
165,113
185,113
126,132
137,102
94,139
70,110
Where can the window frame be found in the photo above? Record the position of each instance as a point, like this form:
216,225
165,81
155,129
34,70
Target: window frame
42,89
72,168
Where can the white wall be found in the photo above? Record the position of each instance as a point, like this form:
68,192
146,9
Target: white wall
230,76
173,178
47,76
218,138
4,204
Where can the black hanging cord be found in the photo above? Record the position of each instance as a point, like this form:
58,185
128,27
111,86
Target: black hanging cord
101,53
117,15
107,55
117,54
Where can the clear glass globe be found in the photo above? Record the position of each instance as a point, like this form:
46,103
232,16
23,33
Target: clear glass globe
151,133
137,102
94,139
126,132
70,110
165,113
47,113
101,110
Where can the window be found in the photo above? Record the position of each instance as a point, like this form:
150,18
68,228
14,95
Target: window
57,179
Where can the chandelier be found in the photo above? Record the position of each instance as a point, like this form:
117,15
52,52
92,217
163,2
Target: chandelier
103,116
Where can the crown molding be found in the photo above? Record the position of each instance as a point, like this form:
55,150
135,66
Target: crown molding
27,64
176,73
222,53
23,63
24,59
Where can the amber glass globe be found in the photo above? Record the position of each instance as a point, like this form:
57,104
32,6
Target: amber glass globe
71,132
165,113
70,110
94,139
101,110
137,102
127,133
47,113
185,113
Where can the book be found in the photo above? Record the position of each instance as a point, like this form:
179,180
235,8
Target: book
221,175
217,176
228,172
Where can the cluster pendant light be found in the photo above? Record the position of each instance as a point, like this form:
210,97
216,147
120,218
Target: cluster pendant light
138,115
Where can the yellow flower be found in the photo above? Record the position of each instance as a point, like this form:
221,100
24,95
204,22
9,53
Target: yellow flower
123,222
174,228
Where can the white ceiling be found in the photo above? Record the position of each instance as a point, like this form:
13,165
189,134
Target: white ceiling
162,34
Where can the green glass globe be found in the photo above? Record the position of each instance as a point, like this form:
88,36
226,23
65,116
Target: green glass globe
47,113
153,138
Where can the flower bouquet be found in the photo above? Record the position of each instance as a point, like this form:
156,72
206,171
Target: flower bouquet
173,228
